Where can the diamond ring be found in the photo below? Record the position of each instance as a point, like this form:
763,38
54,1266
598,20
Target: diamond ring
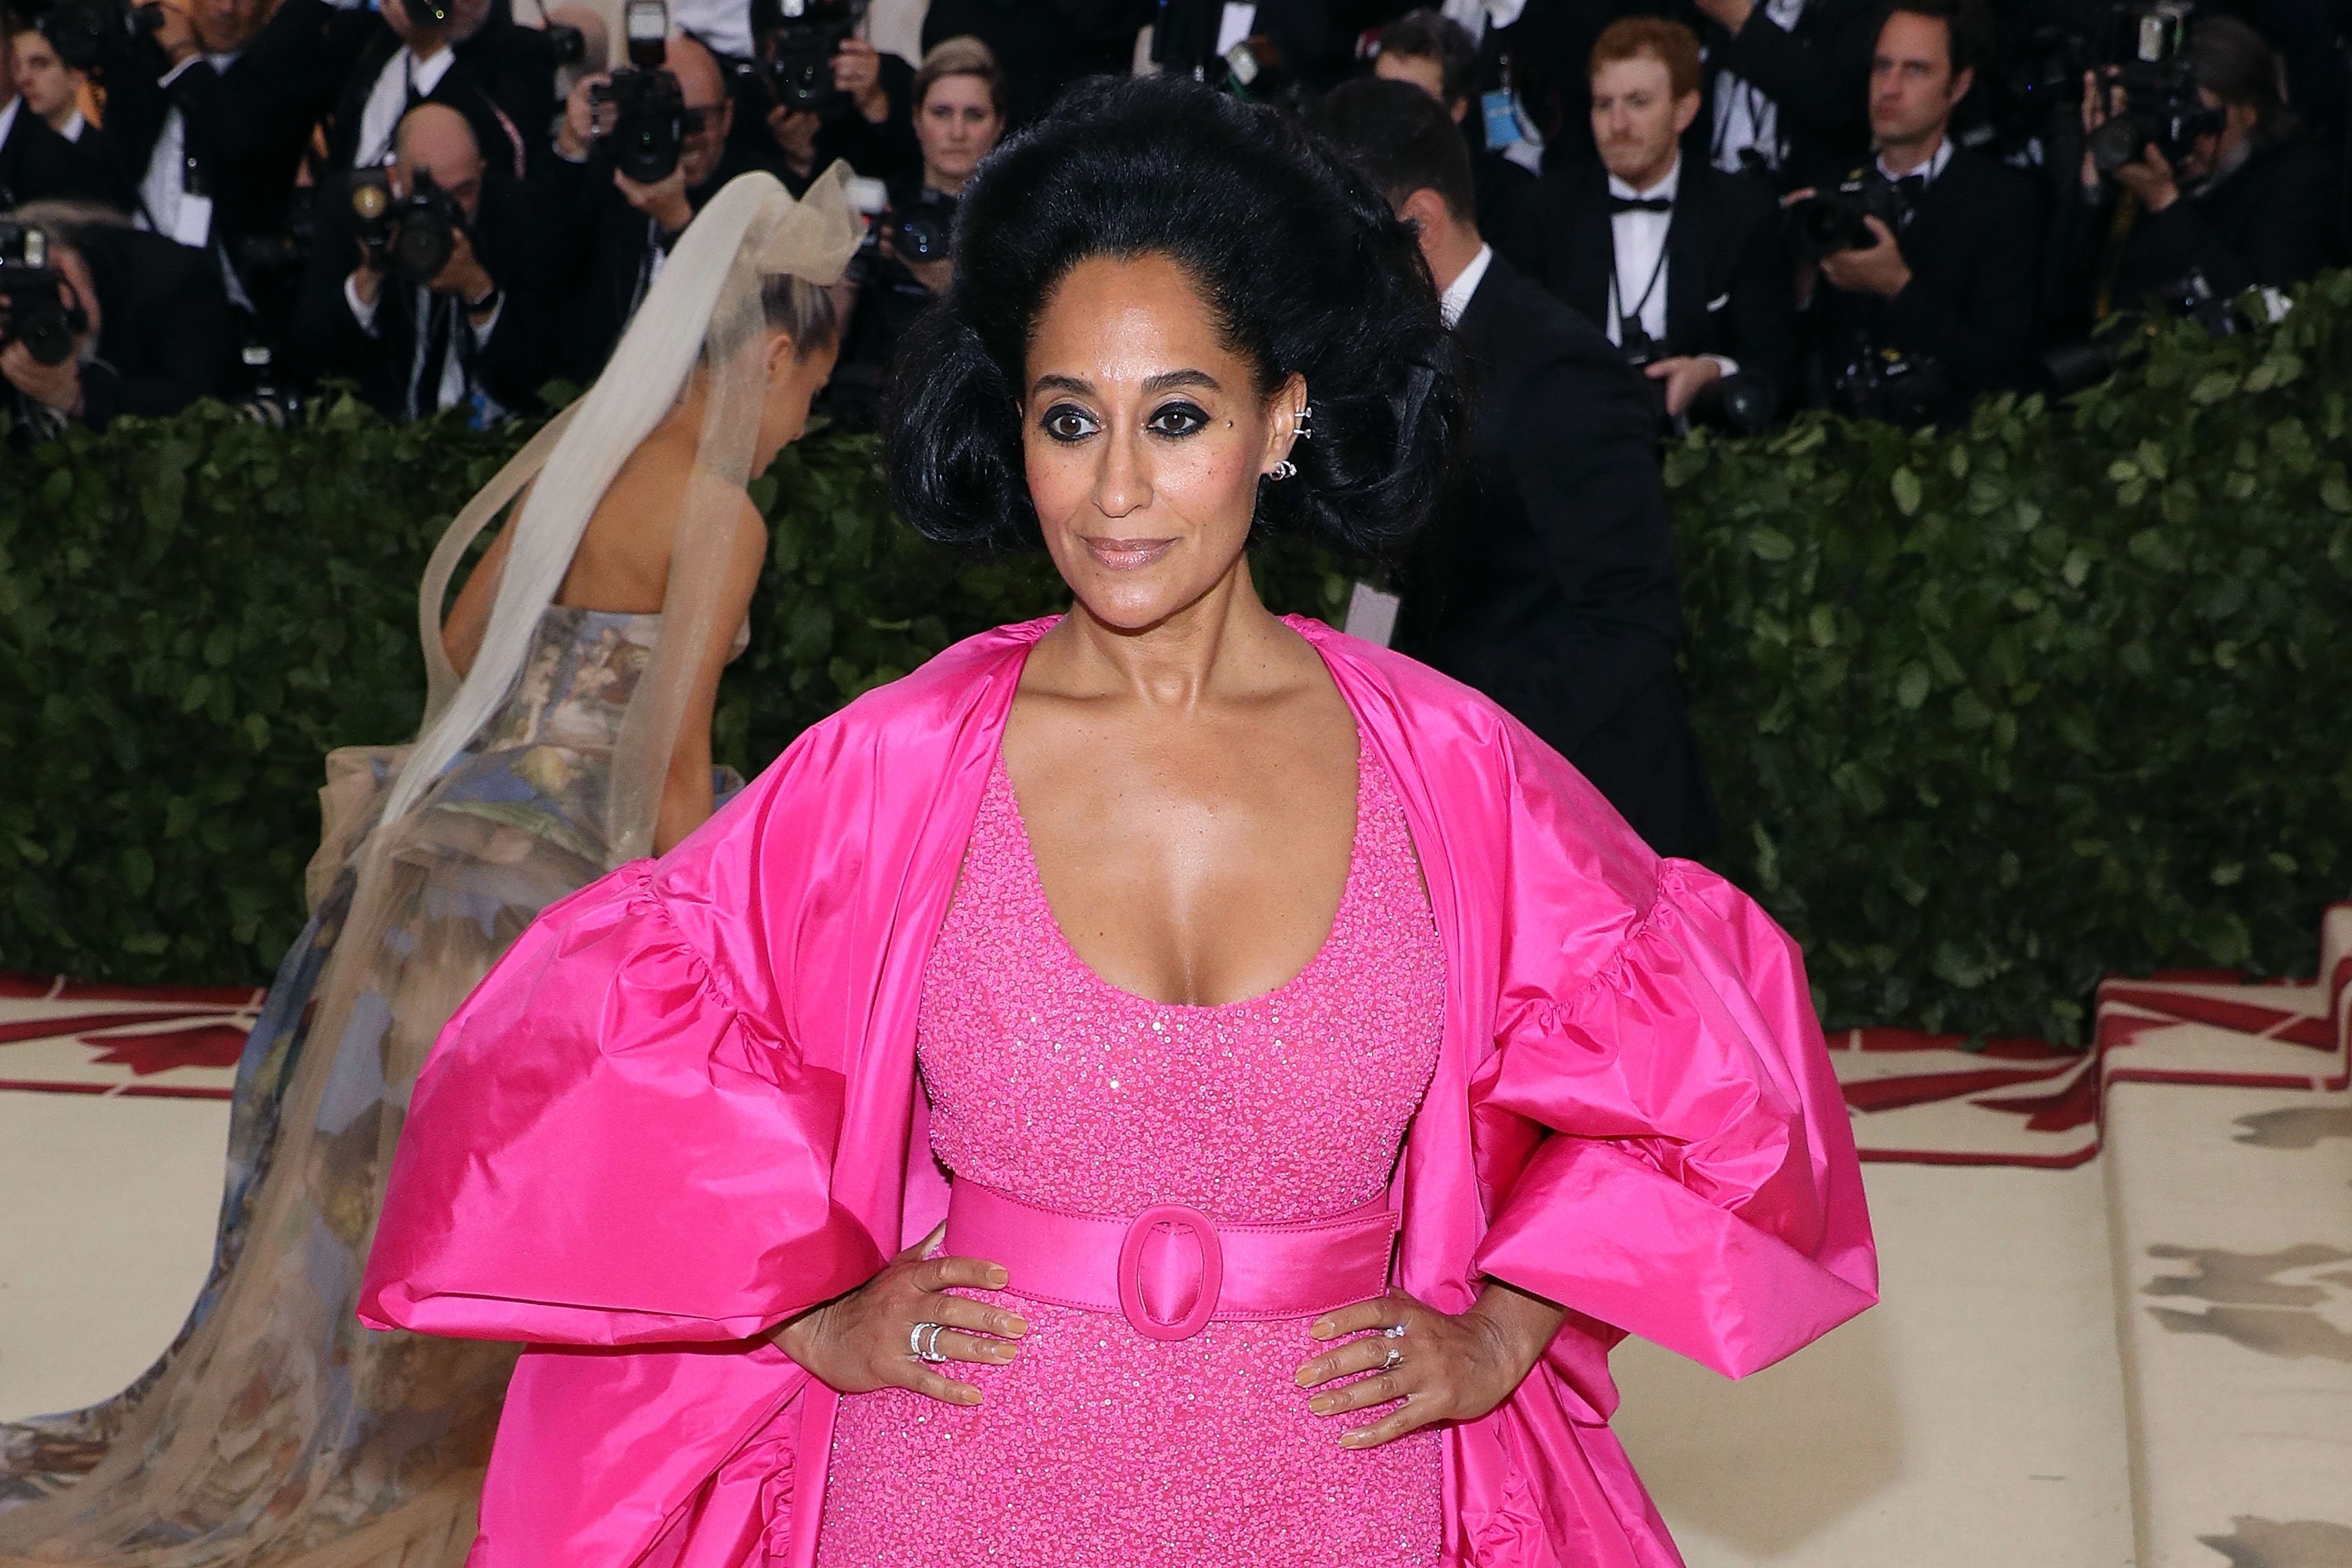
923,1341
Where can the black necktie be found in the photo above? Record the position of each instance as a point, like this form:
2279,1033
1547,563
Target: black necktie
1640,204
440,318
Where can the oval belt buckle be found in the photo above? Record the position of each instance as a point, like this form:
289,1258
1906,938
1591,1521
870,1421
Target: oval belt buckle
1130,1272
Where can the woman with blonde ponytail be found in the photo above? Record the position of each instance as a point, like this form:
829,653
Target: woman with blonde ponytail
567,729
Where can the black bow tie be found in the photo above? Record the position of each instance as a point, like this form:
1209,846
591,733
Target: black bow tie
1641,204
1910,187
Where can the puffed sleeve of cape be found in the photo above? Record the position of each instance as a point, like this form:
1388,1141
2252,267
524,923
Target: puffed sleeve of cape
527,1200
1659,1118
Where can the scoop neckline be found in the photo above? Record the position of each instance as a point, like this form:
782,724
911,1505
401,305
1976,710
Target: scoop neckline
1002,772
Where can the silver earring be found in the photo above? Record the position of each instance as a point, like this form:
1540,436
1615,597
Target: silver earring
1283,470
1306,422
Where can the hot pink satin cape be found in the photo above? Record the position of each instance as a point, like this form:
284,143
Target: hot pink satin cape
685,1106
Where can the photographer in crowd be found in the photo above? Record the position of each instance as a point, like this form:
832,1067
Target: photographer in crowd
1928,256
2239,199
37,164
52,89
620,226
438,311
1551,585
1435,54
796,118
959,117
149,328
1041,46
469,55
207,116
1680,263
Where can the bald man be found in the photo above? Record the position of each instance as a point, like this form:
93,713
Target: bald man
458,339
622,230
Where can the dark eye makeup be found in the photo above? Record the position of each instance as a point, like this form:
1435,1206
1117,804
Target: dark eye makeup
1069,424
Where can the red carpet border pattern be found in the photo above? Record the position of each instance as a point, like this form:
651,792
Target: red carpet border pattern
74,1036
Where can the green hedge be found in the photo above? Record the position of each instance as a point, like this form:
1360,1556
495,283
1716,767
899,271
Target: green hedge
1990,711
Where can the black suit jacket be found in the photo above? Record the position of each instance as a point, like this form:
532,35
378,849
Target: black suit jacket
245,125
502,81
1728,289
37,164
1042,46
165,336
1817,74
1552,587
1974,248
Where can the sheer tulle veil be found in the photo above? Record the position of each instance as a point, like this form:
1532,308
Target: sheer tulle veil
704,311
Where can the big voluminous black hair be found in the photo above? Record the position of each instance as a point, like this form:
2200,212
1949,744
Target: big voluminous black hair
1305,267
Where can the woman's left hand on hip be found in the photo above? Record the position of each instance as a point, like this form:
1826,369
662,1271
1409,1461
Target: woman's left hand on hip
1441,1366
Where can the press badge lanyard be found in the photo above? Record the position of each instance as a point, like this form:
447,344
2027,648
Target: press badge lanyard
1615,308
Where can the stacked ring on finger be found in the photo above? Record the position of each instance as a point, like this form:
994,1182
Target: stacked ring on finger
923,1340
1396,1352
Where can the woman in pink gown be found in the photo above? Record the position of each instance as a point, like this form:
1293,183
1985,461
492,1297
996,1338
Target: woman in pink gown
1163,1085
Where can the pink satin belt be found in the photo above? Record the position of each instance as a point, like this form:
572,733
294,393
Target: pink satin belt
1172,1270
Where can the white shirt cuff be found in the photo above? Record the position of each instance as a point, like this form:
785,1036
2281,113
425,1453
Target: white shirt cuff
361,311
177,71
1724,362
484,328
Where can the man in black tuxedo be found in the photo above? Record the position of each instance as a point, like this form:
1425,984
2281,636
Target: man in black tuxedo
1678,263
467,54
1786,93
156,325
477,334
1552,589
37,164
1939,307
206,120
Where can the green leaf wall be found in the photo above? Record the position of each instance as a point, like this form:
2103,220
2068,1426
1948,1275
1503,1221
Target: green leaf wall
1991,712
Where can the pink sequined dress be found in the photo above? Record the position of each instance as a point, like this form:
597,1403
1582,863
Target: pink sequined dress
1098,1445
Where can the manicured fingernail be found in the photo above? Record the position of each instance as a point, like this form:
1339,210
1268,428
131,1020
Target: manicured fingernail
1013,1328
1003,1353
1322,1328
1354,1439
1321,1405
997,1277
1304,1376
970,1395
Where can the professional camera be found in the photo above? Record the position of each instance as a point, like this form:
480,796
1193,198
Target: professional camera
2135,47
647,126
801,39
924,229
37,313
1829,221
1890,387
1742,402
2072,367
415,234
79,30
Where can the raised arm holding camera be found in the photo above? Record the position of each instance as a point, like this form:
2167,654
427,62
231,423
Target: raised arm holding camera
815,94
426,321
1680,265
640,151
97,320
2224,194
1928,256
469,55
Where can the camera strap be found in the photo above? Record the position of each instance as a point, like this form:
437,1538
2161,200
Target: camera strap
1616,309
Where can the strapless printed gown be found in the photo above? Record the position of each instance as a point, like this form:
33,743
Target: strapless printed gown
1098,1445
276,1431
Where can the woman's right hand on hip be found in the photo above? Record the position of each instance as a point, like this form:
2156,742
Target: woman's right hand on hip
867,1340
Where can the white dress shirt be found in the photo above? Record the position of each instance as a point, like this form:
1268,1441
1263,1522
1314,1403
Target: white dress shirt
1931,168
8,118
1744,116
73,127
452,390
1457,298
1640,243
387,100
